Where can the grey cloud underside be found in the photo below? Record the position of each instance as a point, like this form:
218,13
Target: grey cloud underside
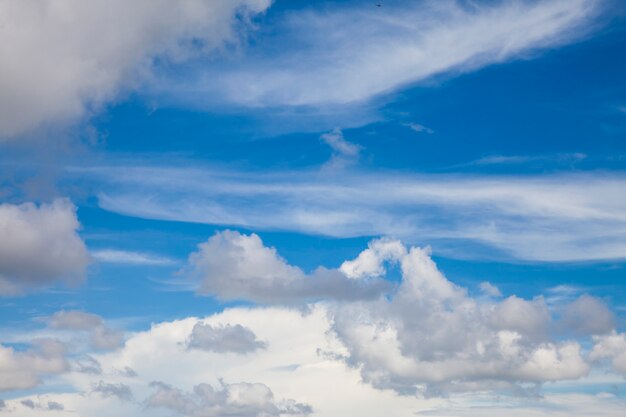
549,218
238,400
100,336
40,246
22,370
120,391
222,339
232,266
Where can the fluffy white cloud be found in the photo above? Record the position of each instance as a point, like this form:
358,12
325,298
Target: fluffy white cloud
431,337
350,54
613,347
20,370
39,245
233,266
100,336
548,218
63,59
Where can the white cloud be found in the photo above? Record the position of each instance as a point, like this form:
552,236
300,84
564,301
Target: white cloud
39,245
100,336
548,218
613,347
351,54
233,266
21,370
432,338
490,289
344,152
130,258
419,128
61,60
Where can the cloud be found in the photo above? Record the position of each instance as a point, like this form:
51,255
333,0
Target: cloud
431,338
130,258
100,336
613,347
546,218
40,246
60,62
233,266
119,391
238,400
490,289
22,370
87,365
419,128
344,152
222,339
350,54
588,315
55,406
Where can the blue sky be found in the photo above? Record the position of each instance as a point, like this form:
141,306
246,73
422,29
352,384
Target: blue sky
234,205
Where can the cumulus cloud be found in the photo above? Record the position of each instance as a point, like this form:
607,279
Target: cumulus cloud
40,246
222,339
489,289
546,218
350,54
100,336
24,369
234,266
612,347
60,61
431,337
55,406
588,315
238,400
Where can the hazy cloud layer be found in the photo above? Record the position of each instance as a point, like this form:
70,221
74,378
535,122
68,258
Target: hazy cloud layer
39,245
349,54
547,218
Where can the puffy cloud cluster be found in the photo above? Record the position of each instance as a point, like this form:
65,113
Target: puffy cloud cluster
233,266
100,336
431,337
23,369
238,400
60,60
39,245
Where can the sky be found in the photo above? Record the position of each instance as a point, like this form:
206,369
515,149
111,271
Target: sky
257,208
